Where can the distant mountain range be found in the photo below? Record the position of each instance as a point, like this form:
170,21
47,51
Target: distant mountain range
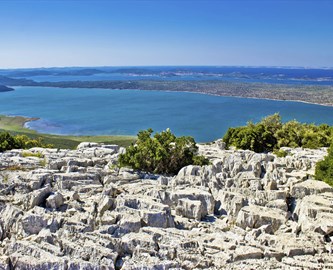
257,73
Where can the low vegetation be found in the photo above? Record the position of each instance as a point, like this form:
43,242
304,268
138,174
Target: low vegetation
8,142
163,153
324,168
270,134
32,154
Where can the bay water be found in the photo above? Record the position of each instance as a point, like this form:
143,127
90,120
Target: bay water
77,111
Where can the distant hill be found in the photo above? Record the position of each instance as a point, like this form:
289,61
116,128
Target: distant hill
16,82
4,88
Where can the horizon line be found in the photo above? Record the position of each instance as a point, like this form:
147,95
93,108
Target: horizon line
148,66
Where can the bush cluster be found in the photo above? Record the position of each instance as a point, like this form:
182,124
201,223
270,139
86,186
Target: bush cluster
270,134
163,153
8,142
324,168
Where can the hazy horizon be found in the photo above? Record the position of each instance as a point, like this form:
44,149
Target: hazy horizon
167,66
85,33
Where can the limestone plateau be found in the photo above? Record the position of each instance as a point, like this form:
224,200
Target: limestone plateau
73,209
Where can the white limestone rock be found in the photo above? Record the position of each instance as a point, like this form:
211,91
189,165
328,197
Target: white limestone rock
190,209
110,218
85,145
254,216
204,197
38,197
230,203
55,200
309,187
33,224
315,213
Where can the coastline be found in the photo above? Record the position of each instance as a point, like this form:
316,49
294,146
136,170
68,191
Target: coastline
17,125
23,122
16,122
196,92
248,97
28,120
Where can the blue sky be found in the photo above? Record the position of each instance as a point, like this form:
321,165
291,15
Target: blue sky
45,33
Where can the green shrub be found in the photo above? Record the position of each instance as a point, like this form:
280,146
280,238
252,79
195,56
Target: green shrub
30,154
271,134
164,153
280,153
8,142
324,168
258,137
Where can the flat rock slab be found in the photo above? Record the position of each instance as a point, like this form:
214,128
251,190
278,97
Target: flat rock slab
315,213
255,216
309,187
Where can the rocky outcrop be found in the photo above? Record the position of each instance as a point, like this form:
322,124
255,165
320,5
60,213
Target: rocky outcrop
73,209
255,216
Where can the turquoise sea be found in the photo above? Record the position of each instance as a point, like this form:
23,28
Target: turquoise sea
125,112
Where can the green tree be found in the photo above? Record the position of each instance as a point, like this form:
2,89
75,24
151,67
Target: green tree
162,153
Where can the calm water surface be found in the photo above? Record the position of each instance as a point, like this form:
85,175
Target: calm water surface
125,112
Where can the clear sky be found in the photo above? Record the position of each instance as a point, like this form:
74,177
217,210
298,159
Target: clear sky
44,33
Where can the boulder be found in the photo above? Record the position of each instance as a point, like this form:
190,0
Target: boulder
247,253
128,223
190,209
106,203
55,200
309,187
195,194
189,175
254,216
230,203
315,213
38,197
9,217
85,145
279,204
159,219
152,213
138,242
33,224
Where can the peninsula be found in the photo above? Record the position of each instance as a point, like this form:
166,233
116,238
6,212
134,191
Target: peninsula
4,88
317,94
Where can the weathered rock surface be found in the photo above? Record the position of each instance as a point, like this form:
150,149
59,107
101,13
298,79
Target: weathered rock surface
70,210
255,216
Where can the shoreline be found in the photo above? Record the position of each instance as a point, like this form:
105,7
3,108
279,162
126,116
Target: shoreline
193,92
217,95
23,121
26,120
